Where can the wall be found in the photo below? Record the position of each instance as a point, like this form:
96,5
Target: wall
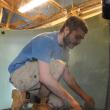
10,45
88,61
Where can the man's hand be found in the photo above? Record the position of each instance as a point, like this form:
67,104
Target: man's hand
77,108
89,102
76,105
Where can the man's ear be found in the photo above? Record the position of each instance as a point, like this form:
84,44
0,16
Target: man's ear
66,30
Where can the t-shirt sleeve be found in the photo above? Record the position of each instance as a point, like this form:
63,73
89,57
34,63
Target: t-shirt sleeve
42,49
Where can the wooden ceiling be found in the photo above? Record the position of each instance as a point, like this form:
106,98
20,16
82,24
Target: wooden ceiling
43,16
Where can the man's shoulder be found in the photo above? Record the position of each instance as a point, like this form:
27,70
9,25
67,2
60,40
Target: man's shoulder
47,37
45,34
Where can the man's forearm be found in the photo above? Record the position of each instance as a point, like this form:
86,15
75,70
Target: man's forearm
48,80
56,88
74,85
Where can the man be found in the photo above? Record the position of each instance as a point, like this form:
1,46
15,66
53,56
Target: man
43,61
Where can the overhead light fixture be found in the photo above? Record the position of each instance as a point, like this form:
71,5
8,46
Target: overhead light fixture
32,4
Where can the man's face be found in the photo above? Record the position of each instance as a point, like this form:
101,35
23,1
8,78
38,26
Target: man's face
72,39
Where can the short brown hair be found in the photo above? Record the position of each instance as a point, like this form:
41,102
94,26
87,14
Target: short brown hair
74,23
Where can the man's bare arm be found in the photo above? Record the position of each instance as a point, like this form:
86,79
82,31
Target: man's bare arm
75,86
48,80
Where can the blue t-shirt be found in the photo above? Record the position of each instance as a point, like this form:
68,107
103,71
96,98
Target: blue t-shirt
43,47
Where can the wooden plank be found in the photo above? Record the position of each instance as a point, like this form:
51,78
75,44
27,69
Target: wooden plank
58,18
8,20
48,21
17,23
36,20
13,3
40,15
44,21
54,3
7,6
1,14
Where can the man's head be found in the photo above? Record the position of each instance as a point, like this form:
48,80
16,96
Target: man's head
73,30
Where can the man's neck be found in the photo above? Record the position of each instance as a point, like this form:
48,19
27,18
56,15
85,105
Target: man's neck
60,38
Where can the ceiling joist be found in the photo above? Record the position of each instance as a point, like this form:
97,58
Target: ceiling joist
56,4
1,14
94,9
8,7
42,19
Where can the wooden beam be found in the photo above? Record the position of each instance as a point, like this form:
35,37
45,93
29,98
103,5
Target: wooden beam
48,21
7,6
84,10
17,23
41,16
1,14
8,20
14,3
50,24
36,20
86,7
89,3
54,3
10,14
2,25
56,19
